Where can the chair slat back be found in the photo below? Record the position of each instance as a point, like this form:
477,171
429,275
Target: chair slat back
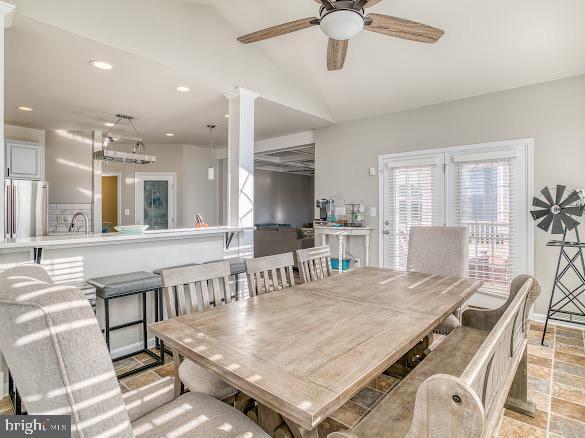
262,273
314,263
193,288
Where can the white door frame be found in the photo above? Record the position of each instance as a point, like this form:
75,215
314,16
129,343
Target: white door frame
139,178
119,175
527,143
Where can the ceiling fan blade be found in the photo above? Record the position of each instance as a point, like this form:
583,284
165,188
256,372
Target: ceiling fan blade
573,211
569,222
537,214
545,223
573,197
559,193
281,29
405,29
371,3
537,202
557,225
336,51
546,193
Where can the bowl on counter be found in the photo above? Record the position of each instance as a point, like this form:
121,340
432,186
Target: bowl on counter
131,229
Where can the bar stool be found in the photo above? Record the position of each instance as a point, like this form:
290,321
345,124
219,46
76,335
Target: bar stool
123,285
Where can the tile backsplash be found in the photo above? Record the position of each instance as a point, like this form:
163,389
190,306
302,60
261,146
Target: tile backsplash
58,213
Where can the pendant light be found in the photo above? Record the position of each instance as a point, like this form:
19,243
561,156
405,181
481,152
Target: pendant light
210,169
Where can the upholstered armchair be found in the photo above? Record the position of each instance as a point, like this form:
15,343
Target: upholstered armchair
56,353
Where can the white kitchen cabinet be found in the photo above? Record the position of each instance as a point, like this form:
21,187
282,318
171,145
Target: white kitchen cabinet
24,160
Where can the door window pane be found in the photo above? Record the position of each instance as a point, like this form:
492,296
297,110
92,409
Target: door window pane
156,204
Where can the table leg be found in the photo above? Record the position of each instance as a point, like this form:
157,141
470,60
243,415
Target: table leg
340,265
518,396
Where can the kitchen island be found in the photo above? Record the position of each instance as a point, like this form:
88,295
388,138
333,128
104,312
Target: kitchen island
75,258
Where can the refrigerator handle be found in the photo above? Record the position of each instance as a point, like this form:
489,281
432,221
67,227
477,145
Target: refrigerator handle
8,211
13,208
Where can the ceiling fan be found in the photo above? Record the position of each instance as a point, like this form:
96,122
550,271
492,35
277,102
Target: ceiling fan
341,20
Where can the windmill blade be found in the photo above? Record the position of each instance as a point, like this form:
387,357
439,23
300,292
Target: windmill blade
559,193
537,202
569,222
281,29
537,214
546,193
545,223
557,225
573,197
405,29
573,211
336,52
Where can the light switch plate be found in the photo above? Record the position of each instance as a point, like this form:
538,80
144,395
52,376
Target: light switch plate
127,212
372,171
373,211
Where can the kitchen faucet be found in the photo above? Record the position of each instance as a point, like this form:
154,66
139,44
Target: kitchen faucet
72,224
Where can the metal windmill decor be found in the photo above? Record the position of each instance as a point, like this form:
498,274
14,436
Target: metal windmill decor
556,215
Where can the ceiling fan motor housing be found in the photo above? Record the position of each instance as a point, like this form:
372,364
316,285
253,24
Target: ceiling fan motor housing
343,22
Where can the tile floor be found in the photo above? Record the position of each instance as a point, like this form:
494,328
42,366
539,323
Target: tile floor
556,384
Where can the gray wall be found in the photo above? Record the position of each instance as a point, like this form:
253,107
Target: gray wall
552,113
283,198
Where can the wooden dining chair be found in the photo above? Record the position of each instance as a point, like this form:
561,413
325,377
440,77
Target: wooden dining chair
262,273
190,289
314,263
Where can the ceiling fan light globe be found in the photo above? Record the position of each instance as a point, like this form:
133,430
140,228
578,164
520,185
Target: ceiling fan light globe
342,24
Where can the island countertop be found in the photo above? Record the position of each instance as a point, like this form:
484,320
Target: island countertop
79,240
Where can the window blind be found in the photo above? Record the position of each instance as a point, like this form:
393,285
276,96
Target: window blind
411,200
485,201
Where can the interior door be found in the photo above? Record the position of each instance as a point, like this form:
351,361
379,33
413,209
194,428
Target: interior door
412,194
155,200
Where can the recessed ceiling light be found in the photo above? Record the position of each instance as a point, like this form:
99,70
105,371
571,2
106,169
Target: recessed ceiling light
102,65
25,108
109,124
183,89
227,116
170,134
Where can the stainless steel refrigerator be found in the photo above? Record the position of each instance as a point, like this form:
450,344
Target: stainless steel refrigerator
26,205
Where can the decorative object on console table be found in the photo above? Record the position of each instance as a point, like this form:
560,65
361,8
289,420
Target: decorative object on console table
556,213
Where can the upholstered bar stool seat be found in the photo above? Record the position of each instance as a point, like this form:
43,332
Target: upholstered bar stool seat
114,286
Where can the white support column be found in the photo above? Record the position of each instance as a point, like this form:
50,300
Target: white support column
6,16
240,188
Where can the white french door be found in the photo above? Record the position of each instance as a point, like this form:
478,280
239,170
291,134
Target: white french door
485,188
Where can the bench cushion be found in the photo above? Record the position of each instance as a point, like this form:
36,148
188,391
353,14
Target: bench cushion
122,284
392,416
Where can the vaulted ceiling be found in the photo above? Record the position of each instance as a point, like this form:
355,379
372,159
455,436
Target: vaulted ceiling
158,44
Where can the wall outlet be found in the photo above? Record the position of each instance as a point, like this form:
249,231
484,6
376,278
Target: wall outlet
357,262
64,219
127,212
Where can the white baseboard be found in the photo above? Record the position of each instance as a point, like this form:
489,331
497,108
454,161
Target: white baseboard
127,349
540,317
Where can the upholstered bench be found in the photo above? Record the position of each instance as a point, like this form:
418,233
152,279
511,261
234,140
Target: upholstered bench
123,285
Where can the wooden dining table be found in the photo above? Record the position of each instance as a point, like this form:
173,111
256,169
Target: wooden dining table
305,351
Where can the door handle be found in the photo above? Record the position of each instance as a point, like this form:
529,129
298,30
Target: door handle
386,232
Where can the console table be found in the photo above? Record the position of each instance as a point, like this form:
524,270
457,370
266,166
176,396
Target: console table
321,233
